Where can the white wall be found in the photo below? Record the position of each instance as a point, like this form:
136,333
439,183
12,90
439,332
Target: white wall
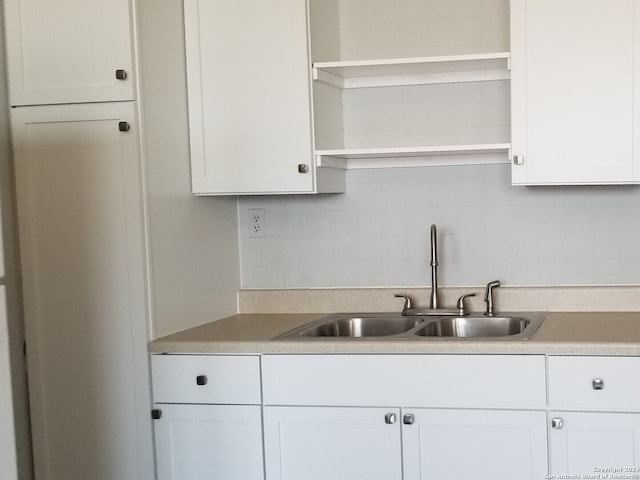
377,234
14,306
194,240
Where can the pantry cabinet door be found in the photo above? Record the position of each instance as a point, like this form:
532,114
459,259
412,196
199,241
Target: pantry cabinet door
580,443
68,51
474,444
80,219
321,443
574,83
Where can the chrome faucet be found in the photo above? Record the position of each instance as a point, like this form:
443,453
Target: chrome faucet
488,297
434,302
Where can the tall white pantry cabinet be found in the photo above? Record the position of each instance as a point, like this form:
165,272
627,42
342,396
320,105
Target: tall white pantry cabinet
114,247
76,142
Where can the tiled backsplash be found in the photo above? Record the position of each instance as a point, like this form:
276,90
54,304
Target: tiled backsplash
377,234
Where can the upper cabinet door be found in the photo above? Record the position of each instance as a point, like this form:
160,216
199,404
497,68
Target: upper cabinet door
249,96
574,71
69,51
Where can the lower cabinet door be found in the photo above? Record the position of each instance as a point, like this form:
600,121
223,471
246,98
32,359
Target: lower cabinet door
201,442
332,443
474,444
583,444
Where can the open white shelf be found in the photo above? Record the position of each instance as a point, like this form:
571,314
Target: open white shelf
414,71
414,156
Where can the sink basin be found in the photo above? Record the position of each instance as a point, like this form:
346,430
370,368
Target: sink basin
514,326
475,327
349,325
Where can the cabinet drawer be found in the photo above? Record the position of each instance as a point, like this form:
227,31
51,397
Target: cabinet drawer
205,379
594,383
452,381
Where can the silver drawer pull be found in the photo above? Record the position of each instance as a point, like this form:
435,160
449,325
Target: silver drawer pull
598,384
201,380
557,423
390,418
408,419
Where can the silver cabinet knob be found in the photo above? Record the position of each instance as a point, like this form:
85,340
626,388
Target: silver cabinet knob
121,74
303,168
557,423
408,419
597,384
390,418
518,159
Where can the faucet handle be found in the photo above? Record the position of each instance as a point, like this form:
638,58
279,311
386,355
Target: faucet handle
462,309
408,301
488,297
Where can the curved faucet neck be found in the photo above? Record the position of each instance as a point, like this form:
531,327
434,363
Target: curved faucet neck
434,301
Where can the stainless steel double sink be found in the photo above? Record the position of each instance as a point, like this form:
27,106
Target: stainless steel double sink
516,326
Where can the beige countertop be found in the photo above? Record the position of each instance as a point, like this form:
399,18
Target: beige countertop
574,333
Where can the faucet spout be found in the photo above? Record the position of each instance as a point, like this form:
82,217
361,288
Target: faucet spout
434,302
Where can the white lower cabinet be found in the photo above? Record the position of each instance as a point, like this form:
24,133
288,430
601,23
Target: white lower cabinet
585,443
337,443
208,419
594,421
410,417
395,417
317,443
474,444
198,442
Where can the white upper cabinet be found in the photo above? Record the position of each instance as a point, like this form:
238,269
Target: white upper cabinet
69,51
249,99
283,96
574,72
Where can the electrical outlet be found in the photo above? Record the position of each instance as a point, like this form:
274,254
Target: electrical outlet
257,225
